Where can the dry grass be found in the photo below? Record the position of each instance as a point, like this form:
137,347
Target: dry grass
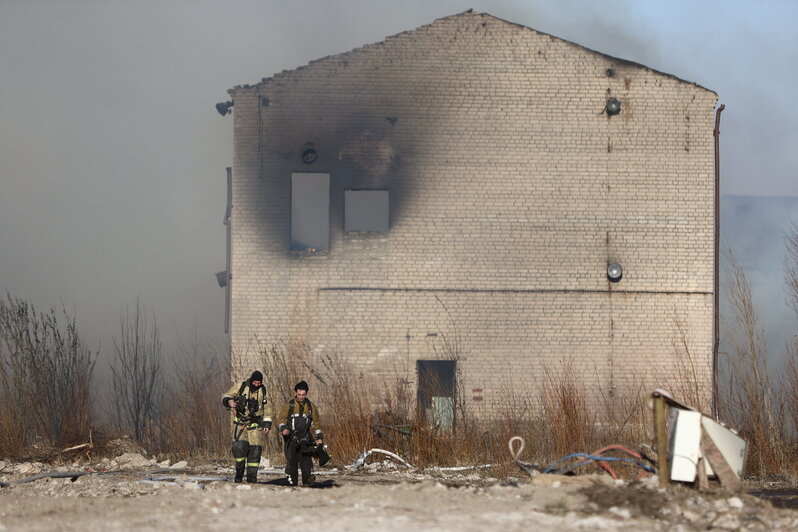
45,379
753,399
360,413
687,382
41,356
137,386
193,421
564,417
572,424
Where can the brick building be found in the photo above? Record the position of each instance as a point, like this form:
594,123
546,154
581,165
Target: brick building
447,203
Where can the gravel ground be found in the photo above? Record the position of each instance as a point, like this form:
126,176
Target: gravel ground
133,492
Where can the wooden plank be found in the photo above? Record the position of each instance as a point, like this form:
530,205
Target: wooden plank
701,480
722,469
661,435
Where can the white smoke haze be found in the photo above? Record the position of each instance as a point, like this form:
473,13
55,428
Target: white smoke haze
112,157
754,228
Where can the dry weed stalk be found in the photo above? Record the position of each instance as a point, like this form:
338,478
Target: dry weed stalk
789,382
626,417
688,383
192,421
750,399
359,413
566,411
791,265
137,374
45,378
517,415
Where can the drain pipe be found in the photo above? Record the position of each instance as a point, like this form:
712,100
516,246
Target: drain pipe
716,287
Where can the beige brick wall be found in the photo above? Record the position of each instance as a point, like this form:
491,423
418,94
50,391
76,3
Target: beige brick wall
511,190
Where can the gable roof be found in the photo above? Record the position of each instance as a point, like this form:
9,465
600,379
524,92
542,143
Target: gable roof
470,13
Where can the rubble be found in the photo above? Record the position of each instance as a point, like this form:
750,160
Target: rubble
124,445
131,461
26,468
136,495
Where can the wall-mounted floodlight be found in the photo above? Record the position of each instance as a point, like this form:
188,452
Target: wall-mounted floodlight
224,108
614,272
221,278
613,106
309,154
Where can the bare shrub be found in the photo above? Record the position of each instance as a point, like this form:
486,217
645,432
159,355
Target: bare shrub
688,382
749,397
343,400
789,383
565,410
137,374
791,265
625,418
192,420
359,413
517,415
788,387
280,362
347,411
569,417
341,403
45,378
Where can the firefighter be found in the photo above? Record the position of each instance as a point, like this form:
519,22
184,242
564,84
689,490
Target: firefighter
300,425
251,422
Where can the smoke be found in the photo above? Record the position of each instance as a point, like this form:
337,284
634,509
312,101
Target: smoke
112,157
754,228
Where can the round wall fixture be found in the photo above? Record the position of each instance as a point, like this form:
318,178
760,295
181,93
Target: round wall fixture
224,108
308,154
614,272
613,106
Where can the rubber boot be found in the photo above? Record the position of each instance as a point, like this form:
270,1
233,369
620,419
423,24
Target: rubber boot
240,450
253,462
292,465
306,465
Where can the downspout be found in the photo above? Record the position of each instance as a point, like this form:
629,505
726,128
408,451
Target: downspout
716,287
229,263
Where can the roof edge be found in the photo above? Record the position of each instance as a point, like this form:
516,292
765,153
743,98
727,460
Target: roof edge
615,59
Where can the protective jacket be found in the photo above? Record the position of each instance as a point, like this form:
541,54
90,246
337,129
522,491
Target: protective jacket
253,416
302,418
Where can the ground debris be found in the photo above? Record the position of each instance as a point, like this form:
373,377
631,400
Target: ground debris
131,461
123,445
391,498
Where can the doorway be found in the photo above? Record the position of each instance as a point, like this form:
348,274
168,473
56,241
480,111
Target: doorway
436,392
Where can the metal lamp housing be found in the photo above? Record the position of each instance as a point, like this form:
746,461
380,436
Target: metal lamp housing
224,108
614,272
309,154
613,106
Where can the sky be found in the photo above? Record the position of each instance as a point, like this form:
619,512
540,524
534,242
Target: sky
112,156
